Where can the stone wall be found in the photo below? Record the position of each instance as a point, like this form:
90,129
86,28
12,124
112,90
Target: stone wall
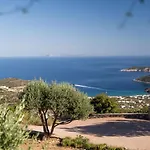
149,114
144,116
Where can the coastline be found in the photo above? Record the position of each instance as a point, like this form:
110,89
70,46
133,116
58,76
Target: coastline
16,84
136,69
127,96
136,80
11,86
132,96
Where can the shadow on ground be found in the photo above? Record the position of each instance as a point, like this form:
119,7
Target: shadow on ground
33,134
126,128
36,134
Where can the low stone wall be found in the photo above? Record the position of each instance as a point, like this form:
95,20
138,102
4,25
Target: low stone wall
149,113
144,116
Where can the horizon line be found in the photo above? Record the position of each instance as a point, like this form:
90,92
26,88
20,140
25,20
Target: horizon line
76,56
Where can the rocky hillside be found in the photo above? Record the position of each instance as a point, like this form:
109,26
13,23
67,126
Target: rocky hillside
9,89
13,82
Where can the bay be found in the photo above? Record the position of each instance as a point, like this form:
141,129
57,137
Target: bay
92,75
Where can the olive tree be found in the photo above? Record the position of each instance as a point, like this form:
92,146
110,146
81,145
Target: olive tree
67,104
36,95
63,102
11,132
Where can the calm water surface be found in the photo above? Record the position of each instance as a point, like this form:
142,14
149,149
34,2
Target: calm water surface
92,75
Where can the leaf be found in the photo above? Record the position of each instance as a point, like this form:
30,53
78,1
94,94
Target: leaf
142,1
129,14
11,133
24,10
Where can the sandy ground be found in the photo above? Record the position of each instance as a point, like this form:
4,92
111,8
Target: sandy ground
130,133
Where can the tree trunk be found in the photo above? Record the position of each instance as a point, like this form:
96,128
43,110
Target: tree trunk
44,123
53,126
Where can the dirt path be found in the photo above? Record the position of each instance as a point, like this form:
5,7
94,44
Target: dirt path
129,133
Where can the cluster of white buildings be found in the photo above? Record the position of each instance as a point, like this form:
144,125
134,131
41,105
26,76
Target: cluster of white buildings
133,101
147,69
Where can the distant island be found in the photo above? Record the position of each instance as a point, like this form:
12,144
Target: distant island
144,79
136,69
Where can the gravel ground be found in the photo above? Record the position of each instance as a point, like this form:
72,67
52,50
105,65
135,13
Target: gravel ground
130,133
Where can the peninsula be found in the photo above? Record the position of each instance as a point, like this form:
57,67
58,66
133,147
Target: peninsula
144,79
136,69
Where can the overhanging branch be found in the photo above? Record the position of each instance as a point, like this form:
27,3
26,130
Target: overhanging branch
129,12
24,9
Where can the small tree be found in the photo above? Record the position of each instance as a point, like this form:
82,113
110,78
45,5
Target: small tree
103,104
63,101
11,133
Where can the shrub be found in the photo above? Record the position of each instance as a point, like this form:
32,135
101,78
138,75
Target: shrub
144,109
80,142
103,104
102,147
83,143
11,132
133,110
89,146
116,148
67,141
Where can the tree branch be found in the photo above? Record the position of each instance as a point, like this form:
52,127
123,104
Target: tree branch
23,9
129,12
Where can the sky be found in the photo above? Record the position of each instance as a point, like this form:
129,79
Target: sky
74,28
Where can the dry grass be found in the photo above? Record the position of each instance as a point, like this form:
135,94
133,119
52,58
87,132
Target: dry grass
13,82
51,144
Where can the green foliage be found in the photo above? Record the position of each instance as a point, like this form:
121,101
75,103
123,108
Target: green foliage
80,142
133,110
35,95
62,101
67,141
31,117
103,104
145,109
68,103
83,143
11,132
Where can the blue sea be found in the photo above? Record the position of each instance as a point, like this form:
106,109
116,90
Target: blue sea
92,75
